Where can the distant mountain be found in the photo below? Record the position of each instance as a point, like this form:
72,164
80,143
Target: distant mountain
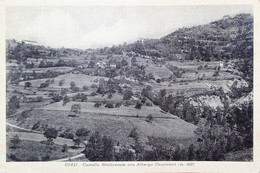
228,38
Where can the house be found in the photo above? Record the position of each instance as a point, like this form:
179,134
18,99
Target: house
101,64
113,65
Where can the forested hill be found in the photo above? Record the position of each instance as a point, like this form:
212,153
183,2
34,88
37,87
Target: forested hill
228,38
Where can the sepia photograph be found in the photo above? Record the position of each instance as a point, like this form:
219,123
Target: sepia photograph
129,83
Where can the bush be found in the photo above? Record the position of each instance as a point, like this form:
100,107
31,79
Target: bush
15,141
64,91
50,133
72,84
93,94
75,89
81,97
138,105
127,95
109,105
109,96
93,86
76,108
216,73
56,98
61,82
97,105
67,134
82,132
43,85
27,84
84,88
39,99
149,118
158,80
118,105
66,99
36,125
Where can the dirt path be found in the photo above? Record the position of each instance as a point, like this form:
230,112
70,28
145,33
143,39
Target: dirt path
81,155
21,128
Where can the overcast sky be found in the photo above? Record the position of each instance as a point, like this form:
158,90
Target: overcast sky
92,27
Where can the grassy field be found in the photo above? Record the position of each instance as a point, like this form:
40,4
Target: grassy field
117,127
35,151
79,79
158,72
88,107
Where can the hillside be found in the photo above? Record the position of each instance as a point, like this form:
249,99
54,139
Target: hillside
227,38
187,96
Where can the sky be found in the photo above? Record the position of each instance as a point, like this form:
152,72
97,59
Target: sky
100,26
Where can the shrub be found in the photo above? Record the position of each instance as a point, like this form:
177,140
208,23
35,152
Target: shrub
50,133
76,108
43,85
67,134
80,97
66,99
133,133
27,84
61,82
118,105
56,98
158,80
138,105
93,94
39,99
109,96
127,95
64,91
93,86
82,132
36,125
84,88
109,105
15,141
75,89
149,118
216,73
97,105
200,67
72,84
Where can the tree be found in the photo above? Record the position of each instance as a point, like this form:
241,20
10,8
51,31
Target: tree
109,96
149,118
82,132
128,94
77,142
27,85
66,99
96,105
15,141
138,105
56,98
76,108
72,84
14,102
50,134
61,82
85,88
64,91
99,148
191,152
81,97
43,85
109,105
